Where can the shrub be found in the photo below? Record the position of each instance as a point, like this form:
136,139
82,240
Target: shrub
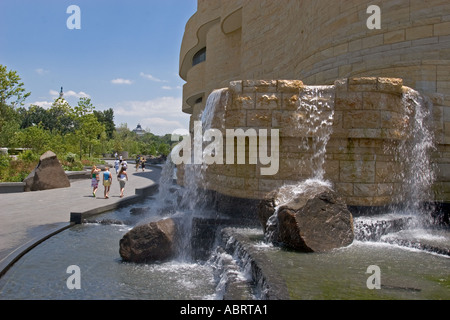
70,157
28,156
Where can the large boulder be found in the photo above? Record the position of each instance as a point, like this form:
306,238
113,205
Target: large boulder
307,218
48,174
151,242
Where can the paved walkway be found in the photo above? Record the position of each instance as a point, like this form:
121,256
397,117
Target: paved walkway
28,218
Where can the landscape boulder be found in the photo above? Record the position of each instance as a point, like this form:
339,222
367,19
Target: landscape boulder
48,174
310,218
150,242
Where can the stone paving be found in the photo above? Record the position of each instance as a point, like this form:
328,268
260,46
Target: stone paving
28,218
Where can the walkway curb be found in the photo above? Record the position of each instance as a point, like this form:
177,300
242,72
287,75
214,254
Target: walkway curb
19,252
75,218
141,193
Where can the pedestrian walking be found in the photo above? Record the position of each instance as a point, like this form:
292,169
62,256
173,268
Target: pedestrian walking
107,180
143,163
138,160
122,177
116,165
95,177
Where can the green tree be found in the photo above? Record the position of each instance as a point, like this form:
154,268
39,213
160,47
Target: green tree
7,132
35,137
88,129
33,116
12,94
61,117
11,89
107,119
164,149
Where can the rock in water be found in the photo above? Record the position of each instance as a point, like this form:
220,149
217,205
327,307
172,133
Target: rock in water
148,243
313,220
48,174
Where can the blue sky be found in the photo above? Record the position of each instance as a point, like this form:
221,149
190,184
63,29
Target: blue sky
125,56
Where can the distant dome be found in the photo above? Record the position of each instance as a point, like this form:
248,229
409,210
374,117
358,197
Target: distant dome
139,131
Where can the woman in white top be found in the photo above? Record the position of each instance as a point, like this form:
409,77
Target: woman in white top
122,177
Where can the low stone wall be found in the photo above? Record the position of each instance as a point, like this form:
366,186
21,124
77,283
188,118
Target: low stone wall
12,187
16,187
360,121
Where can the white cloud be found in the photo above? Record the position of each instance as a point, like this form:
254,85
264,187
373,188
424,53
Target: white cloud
71,93
159,106
150,77
121,81
43,104
170,88
161,115
41,71
161,126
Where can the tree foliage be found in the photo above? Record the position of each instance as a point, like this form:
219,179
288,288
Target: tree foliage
11,89
66,130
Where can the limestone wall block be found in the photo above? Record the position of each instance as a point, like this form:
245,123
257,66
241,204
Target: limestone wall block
236,118
259,85
390,85
344,188
268,100
268,185
242,101
362,84
341,84
259,118
289,123
380,201
359,201
348,101
236,87
386,172
362,119
290,86
382,101
357,171
246,171
394,120
290,101
365,189
331,168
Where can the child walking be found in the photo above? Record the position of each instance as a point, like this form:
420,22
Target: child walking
122,177
107,180
94,179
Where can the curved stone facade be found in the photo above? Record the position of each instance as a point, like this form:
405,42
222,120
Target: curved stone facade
318,42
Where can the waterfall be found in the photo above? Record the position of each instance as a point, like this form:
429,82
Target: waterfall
316,115
419,174
190,201
194,195
316,112
409,226
166,181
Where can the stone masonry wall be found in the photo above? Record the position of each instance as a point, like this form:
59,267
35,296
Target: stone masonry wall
319,42
369,120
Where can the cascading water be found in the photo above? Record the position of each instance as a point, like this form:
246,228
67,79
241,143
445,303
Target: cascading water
316,110
335,275
193,195
191,200
316,115
419,173
410,224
